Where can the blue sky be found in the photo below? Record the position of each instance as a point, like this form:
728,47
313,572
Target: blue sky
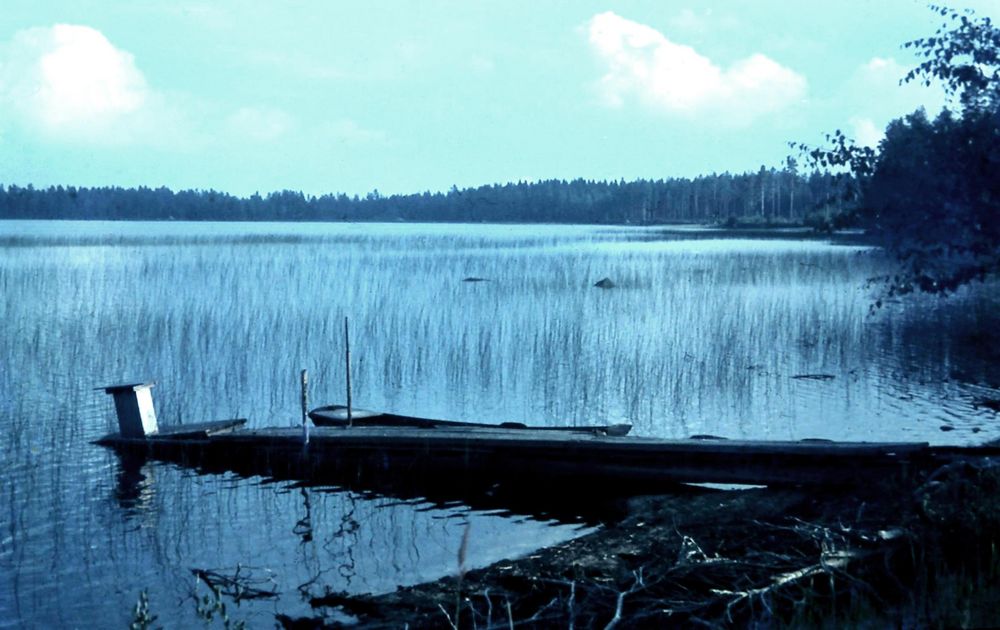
325,96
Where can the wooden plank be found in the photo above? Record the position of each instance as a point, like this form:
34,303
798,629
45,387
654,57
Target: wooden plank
506,454
499,437
198,430
524,456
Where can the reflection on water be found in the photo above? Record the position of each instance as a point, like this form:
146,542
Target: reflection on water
700,336
136,485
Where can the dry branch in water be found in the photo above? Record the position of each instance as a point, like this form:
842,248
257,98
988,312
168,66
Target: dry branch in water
242,584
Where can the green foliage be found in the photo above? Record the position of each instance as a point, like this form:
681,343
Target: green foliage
930,192
934,198
965,57
770,195
819,222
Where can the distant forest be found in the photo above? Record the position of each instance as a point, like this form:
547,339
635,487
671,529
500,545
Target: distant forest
769,195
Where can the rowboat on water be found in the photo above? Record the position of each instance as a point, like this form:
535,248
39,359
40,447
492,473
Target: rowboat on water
338,416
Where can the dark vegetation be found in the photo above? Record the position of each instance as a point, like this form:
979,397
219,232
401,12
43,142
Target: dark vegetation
767,196
919,552
930,192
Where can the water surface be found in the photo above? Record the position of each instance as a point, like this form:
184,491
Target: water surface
700,335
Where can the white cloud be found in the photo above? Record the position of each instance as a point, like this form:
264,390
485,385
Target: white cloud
866,132
69,80
643,65
880,72
875,85
880,79
69,84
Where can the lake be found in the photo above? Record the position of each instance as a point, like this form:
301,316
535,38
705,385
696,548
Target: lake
704,333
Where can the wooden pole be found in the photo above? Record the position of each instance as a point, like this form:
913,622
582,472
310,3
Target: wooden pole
305,406
347,358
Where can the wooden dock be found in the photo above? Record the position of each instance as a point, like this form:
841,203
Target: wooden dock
386,449
531,458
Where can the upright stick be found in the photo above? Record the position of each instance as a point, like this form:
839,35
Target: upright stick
305,406
347,358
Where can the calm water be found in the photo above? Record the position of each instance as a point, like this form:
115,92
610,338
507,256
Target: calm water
700,336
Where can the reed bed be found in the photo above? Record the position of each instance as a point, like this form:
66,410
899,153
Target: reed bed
696,337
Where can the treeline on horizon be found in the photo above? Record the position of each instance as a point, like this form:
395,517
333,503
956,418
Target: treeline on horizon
769,195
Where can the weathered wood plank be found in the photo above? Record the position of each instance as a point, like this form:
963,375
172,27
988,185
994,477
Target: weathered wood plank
500,437
198,430
528,456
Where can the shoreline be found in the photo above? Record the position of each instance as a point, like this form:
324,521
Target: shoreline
891,552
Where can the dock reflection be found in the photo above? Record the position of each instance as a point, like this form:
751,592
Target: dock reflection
135,487
582,503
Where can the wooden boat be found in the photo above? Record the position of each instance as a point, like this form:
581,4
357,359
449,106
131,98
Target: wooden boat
336,416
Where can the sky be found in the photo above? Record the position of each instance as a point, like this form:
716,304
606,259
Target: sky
327,96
